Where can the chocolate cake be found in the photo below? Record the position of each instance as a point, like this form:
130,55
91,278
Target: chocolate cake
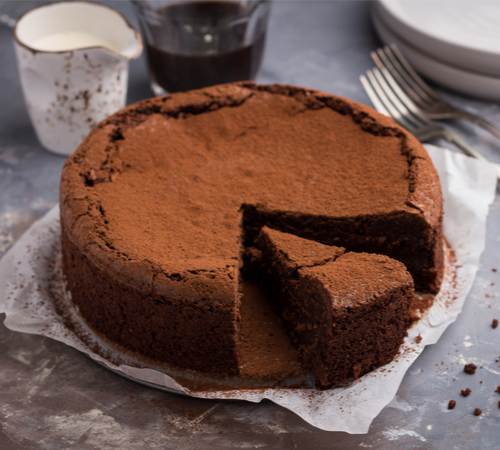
346,312
160,201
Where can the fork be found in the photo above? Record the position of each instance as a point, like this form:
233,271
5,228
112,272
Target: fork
389,99
424,98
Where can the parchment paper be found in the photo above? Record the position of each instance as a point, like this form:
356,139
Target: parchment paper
27,271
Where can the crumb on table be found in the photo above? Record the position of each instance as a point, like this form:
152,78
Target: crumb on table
470,368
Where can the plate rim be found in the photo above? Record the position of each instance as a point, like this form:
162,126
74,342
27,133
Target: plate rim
440,48
478,85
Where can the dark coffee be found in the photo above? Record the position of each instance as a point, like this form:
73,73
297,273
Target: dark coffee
200,44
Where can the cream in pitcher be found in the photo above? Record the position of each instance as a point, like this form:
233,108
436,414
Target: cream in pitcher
73,63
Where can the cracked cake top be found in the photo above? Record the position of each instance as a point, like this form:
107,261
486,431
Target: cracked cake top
158,190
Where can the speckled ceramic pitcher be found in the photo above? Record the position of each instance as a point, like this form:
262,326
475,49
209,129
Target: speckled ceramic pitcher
73,62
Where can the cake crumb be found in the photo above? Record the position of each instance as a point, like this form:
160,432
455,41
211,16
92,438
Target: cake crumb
452,404
494,323
497,389
477,412
465,392
470,368
418,339
493,270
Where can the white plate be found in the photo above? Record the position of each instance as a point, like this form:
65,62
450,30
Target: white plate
466,82
464,33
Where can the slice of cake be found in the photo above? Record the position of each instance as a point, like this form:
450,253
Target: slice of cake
346,312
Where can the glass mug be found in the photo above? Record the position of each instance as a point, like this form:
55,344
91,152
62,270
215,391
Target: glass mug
191,44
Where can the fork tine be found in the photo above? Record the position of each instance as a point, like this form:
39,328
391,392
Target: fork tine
385,59
394,50
389,71
392,98
388,106
379,106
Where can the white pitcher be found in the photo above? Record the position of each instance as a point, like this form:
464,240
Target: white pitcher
73,62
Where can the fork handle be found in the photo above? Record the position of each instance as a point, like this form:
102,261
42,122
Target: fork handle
483,123
467,149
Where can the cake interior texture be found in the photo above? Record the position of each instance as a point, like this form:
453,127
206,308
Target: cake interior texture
164,204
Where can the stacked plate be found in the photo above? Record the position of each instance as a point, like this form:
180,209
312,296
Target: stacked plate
454,43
